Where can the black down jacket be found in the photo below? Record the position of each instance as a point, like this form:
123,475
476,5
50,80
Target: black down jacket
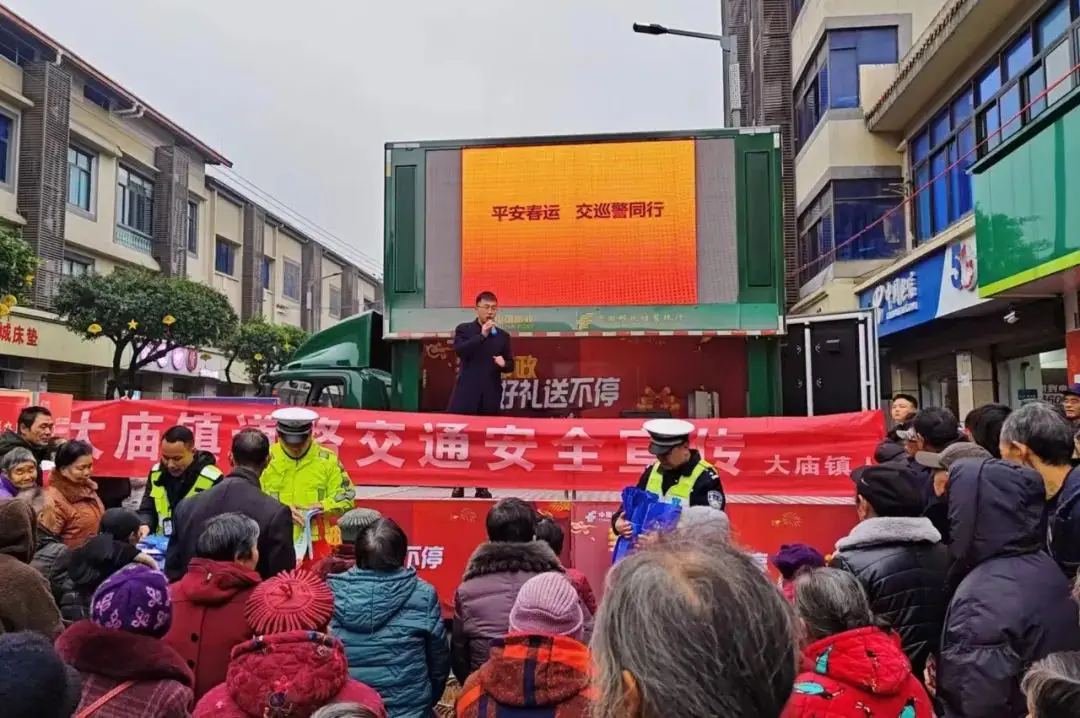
903,566
1012,605
52,559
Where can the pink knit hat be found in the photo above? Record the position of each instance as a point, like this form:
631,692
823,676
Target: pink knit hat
290,601
548,605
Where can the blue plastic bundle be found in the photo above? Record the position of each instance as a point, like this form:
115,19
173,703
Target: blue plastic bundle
646,514
155,546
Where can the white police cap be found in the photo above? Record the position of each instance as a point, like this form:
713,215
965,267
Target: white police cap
294,415
666,434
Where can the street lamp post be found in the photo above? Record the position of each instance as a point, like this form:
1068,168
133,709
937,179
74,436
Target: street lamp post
729,44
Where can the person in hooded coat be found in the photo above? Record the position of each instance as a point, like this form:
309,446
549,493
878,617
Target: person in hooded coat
391,624
1011,604
849,666
26,601
208,602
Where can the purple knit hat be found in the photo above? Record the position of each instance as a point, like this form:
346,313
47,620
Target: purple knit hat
134,599
793,556
549,605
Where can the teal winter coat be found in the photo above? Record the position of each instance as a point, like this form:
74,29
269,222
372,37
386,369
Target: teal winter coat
394,637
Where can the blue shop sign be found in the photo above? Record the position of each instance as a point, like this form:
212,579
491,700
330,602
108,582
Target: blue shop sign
937,285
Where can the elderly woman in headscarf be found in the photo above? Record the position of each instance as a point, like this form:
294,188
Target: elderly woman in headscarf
691,606
18,478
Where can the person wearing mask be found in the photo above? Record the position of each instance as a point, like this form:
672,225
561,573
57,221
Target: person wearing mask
897,555
291,667
1011,605
113,548
342,557
72,507
983,425
940,463
305,475
1037,436
679,472
19,478
391,624
552,534
127,670
34,682
484,356
1052,686
26,601
209,601
495,573
544,647
33,432
183,472
239,492
849,666
691,627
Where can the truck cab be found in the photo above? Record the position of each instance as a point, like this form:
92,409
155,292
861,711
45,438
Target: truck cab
346,366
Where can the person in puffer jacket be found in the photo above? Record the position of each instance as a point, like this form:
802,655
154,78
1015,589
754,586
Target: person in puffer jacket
391,624
897,555
52,559
849,666
1011,604
292,667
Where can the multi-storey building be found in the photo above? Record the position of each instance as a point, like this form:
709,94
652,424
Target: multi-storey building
95,178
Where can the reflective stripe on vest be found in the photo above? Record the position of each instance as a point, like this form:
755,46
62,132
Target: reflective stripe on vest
205,480
682,488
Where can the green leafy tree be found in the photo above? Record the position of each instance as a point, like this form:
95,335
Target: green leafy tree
263,347
18,265
143,312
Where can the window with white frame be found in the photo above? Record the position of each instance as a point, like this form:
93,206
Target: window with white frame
268,274
7,149
291,280
135,202
192,228
335,302
225,257
76,267
80,178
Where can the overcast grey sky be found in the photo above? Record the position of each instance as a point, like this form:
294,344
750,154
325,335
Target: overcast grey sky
302,95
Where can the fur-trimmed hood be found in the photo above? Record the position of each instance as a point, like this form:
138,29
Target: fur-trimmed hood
121,656
507,557
890,530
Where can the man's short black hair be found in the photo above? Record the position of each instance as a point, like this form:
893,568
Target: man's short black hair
250,447
908,398
486,297
550,533
984,424
181,434
511,520
938,427
29,415
119,523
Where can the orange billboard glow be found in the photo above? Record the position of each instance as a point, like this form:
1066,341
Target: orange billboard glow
609,224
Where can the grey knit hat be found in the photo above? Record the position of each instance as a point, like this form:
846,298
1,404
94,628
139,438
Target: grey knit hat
352,523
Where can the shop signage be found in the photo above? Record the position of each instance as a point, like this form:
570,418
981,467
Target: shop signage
937,285
12,333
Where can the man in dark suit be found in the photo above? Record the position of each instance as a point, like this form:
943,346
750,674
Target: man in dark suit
238,492
485,355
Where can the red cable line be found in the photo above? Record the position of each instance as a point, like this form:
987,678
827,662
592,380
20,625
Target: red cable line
945,172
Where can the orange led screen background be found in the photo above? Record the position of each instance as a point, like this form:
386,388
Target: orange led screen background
609,224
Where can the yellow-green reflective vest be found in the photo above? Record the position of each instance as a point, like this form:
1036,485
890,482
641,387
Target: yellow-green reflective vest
206,479
682,489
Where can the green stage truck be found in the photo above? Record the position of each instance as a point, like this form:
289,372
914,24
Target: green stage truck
636,274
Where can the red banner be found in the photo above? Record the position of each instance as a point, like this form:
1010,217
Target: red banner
444,533
756,456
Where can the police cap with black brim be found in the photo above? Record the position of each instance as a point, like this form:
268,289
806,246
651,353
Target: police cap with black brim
294,424
666,434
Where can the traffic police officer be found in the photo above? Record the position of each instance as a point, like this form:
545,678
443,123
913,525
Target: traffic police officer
302,474
679,472
182,472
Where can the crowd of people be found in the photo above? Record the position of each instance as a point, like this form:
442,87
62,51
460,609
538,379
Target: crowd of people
952,596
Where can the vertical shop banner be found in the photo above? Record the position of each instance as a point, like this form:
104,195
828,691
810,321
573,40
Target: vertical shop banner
11,403
444,533
770,456
604,224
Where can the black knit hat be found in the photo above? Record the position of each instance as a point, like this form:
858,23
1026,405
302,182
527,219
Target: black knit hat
34,682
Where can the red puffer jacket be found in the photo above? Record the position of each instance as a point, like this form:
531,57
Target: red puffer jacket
862,672
293,673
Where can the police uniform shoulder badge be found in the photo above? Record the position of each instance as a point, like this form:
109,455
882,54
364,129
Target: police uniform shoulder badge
716,500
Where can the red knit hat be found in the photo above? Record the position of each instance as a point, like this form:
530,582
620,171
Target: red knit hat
291,601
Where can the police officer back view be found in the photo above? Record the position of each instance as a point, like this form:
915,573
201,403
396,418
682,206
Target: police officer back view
679,472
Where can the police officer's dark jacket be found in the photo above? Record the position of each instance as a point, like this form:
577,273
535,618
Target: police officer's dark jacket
903,566
707,490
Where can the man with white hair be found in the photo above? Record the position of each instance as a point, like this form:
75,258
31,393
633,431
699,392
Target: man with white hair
1037,435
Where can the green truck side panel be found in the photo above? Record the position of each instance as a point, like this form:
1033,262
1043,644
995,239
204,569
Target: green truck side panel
763,377
346,344
1027,202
